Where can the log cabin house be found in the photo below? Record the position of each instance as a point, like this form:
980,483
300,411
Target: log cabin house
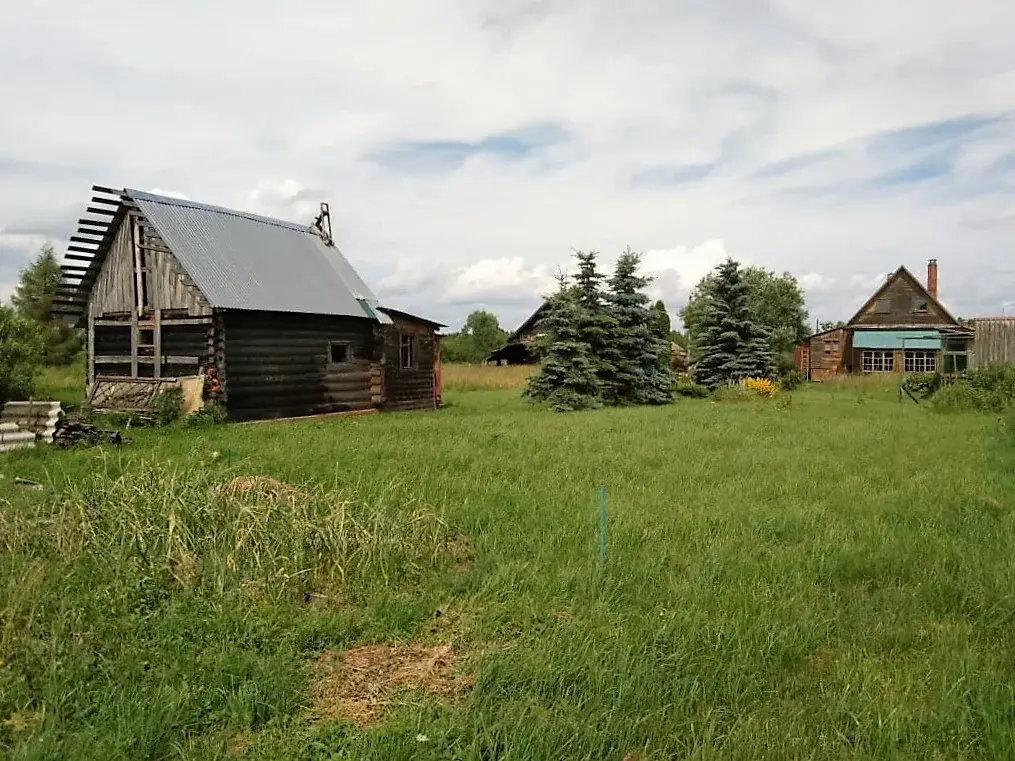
269,314
902,327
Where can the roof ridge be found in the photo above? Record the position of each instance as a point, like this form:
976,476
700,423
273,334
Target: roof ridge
187,203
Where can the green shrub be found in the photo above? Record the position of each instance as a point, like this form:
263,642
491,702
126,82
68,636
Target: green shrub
211,413
990,388
21,353
734,393
791,379
684,385
167,407
923,385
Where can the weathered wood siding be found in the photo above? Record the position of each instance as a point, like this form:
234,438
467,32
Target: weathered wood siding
994,341
906,305
169,286
166,284
277,364
113,292
826,353
409,388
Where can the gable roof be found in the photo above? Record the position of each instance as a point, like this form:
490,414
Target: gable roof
901,272
237,260
245,261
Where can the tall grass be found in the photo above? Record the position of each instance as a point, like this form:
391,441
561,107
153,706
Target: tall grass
64,383
462,377
822,580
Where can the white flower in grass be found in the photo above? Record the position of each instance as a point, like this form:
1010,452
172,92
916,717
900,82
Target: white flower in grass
422,738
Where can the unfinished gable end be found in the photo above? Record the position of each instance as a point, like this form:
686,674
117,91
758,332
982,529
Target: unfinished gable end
140,272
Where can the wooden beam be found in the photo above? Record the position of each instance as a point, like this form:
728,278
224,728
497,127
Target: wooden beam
79,239
123,359
79,258
158,343
133,343
97,210
72,268
81,250
90,356
109,191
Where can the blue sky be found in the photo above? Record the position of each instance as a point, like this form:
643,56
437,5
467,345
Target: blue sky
466,148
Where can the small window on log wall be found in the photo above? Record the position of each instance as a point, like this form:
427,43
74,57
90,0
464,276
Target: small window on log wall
339,353
920,305
407,351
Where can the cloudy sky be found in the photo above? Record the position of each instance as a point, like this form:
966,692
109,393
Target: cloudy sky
467,146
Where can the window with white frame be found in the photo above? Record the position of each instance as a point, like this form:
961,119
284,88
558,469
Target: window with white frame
920,361
878,361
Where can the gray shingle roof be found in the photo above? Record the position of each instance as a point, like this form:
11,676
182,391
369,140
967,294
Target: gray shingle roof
245,261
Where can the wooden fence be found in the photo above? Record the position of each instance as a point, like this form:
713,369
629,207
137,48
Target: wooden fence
994,341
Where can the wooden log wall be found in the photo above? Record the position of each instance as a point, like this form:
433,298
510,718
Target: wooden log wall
409,388
277,365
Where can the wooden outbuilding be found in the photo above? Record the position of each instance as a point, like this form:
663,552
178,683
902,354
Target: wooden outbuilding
268,313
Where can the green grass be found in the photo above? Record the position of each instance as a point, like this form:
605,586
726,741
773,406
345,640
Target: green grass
828,578
64,384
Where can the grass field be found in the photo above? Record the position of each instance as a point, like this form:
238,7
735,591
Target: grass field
826,578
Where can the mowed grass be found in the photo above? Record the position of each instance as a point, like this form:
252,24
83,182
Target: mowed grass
828,578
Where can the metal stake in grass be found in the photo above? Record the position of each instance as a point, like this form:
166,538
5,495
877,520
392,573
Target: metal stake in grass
602,526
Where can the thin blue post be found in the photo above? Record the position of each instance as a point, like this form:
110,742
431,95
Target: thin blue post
602,526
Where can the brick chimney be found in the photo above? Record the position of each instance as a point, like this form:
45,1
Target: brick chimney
932,277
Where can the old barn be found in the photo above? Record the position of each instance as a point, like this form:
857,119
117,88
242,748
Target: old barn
269,314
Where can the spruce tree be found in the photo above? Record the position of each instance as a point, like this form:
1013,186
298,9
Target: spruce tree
642,374
732,345
595,321
33,299
567,378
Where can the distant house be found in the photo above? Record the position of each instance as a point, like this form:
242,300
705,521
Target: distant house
268,312
517,349
902,327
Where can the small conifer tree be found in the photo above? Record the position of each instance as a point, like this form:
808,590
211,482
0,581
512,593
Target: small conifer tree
732,345
596,324
567,378
642,366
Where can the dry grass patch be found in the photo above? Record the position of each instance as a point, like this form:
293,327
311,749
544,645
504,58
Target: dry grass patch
264,487
358,685
461,377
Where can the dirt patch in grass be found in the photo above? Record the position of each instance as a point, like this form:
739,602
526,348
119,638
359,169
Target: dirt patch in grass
460,550
358,684
264,487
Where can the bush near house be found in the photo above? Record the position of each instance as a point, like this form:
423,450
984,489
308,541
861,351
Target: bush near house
990,388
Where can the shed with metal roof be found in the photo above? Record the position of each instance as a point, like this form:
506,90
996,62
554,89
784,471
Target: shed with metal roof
268,312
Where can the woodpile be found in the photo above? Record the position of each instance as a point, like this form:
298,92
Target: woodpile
70,433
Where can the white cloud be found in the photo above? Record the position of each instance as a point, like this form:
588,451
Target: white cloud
275,117
815,282
170,194
500,280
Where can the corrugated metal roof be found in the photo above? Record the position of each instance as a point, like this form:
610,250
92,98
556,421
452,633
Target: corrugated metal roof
245,261
896,339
